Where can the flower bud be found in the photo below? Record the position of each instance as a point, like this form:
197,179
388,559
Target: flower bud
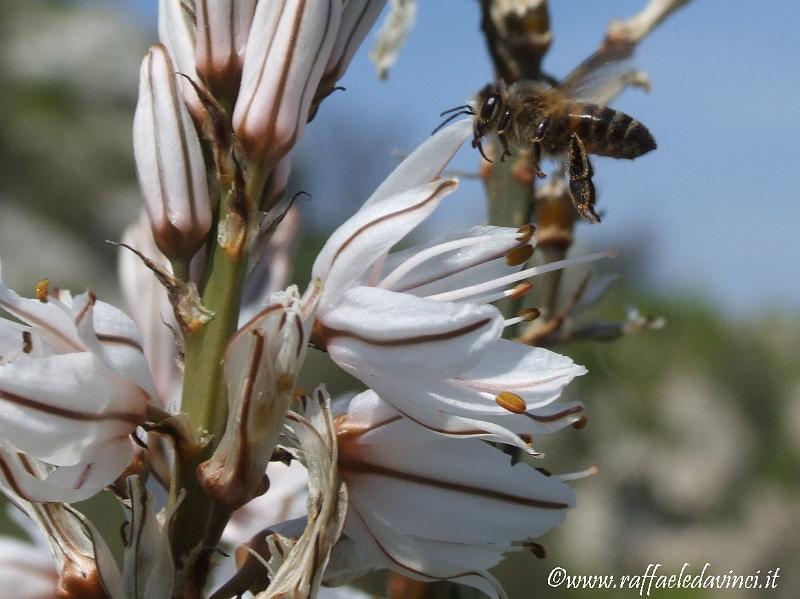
222,29
176,31
283,66
358,17
169,161
261,364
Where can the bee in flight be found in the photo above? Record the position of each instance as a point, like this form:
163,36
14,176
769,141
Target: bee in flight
551,121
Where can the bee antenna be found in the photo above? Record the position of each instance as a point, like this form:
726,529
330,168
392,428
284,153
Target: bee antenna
476,143
462,107
455,115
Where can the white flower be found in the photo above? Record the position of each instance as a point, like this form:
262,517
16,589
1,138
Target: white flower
434,508
415,326
74,385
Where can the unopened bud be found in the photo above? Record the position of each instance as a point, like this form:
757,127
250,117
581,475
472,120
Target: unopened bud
169,160
222,30
282,68
176,30
261,364
358,17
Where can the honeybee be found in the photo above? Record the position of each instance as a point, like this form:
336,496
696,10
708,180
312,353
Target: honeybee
552,122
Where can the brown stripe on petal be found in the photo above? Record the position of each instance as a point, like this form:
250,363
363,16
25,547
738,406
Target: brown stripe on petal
91,298
247,394
119,340
444,184
329,333
408,568
39,406
8,476
361,467
556,416
316,61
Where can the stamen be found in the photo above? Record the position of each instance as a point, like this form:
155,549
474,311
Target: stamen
481,288
511,402
576,475
424,255
520,290
536,549
525,315
519,255
526,232
41,290
580,423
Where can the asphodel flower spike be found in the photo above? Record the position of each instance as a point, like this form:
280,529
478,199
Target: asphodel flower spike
282,68
169,160
222,30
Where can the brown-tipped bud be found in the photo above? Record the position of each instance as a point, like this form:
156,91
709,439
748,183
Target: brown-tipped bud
282,69
169,160
222,30
529,314
519,255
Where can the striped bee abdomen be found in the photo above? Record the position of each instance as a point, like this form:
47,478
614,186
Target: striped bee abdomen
608,132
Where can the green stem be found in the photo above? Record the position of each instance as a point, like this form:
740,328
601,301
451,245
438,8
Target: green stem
204,400
510,204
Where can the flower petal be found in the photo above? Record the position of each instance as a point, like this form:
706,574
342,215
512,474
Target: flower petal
371,232
425,163
413,557
375,332
59,408
536,374
51,317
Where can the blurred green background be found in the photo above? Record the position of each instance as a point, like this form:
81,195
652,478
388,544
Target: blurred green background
695,428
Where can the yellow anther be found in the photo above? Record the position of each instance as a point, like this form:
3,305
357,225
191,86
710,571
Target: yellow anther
511,402
41,288
519,255
521,290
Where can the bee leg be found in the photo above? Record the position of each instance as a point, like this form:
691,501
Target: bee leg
536,159
579,171
504,144
501,134
536,148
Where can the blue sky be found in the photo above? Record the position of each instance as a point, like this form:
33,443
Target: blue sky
718,204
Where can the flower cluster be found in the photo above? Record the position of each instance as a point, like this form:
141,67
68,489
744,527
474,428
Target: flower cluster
198,390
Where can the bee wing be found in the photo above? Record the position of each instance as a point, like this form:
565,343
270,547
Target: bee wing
602,77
